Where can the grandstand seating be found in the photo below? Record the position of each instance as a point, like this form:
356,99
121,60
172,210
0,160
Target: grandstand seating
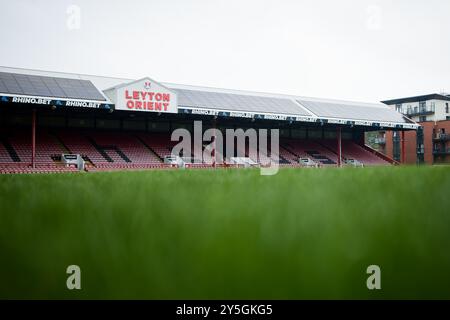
159,143
125,148
290,157
246,151
4,154
19,145
351,150
310,149
128,166
253,153
79,143
105,150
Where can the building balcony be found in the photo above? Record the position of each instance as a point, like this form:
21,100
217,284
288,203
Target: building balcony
441,137
420,111
441,152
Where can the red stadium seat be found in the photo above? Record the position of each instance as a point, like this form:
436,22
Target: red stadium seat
108,151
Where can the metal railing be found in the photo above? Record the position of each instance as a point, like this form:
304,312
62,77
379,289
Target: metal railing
442,136
420,111
441,151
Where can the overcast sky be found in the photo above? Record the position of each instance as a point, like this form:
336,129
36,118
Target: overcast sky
353,49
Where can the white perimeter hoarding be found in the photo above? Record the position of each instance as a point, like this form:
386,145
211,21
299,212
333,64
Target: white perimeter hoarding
144,95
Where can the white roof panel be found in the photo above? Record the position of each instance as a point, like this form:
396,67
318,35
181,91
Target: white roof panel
246,101
238,102
343,110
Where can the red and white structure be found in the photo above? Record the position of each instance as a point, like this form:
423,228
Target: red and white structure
126,123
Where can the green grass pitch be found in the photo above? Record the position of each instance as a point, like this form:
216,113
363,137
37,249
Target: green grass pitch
231,234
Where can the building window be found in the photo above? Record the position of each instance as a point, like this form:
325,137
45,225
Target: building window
433,106
422,118
446,107
398,107
409,110
422,106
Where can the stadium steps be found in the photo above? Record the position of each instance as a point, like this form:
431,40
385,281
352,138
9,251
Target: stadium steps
380,155
353,150
121,154
283,160
287,147
325,146
64,148
100,150
10,149
115,149
103,151
290,151
316,155
335,152
149,148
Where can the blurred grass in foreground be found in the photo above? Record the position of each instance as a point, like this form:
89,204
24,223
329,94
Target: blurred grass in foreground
227,234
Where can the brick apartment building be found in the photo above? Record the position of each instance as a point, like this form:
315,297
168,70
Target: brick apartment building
430,144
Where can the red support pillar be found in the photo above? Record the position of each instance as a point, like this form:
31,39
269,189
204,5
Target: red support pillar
213,153
403,148
33,139
339,143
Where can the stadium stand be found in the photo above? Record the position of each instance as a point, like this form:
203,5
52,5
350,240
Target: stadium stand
18,144
40,168
5,154
288,155
78,143
95,123
15,156
125,148
310,149
351,150
159,144
112,150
